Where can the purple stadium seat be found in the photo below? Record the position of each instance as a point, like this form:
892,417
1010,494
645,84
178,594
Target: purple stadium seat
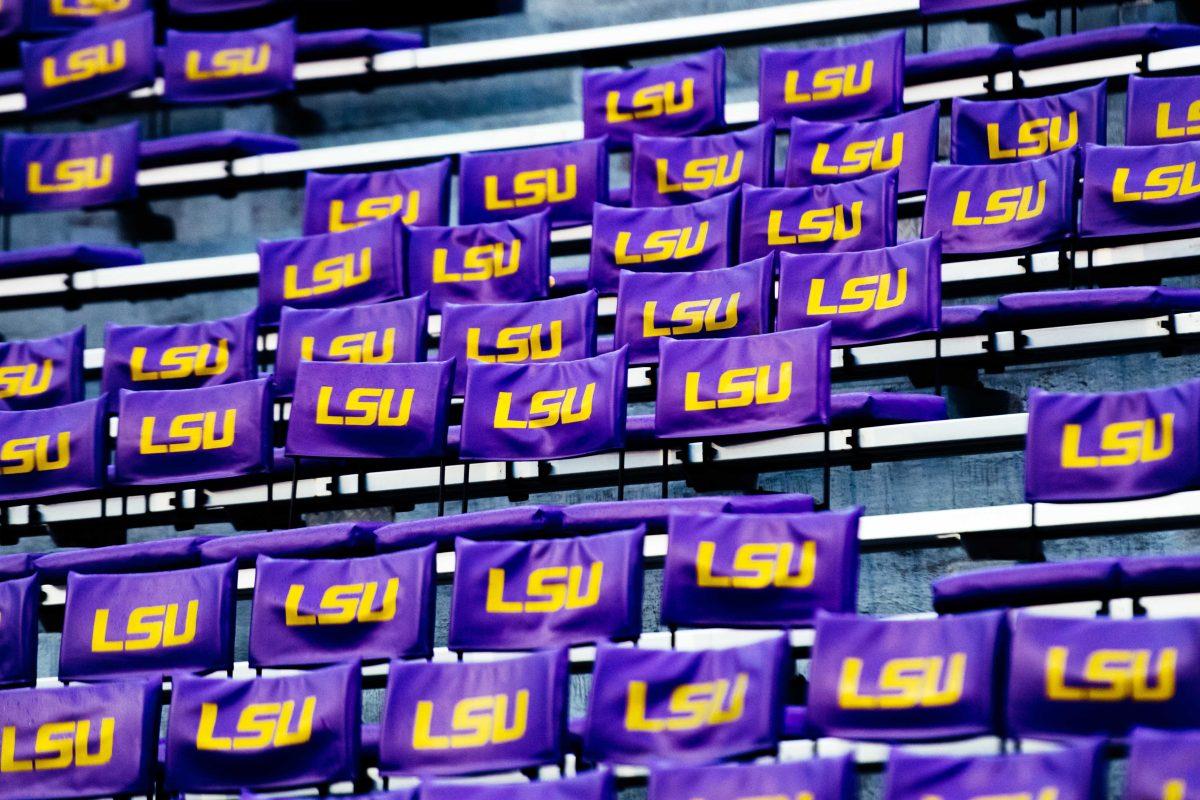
861,409
66,258
353,42
619,514
498,523
1154,575
190,148
1027,585
11,81
985,59
964,320
1105,43
155,556
16,565
339,539
1031,309
569,281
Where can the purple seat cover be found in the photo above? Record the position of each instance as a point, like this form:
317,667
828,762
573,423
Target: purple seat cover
190,148
962,320
497,523
1105,43
351,42
339,539
155,556
16,565
1154,575
66,258
618,514
860,409
1090,305
1027,585
985,59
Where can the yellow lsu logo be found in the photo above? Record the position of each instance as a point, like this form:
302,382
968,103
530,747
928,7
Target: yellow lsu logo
354,348
831,83
71,175
1171,180
1035,137
548,589
373,209
147,628
1113,676
260,726
870,155
480,263
660,100
865,293
36,454
690,707
740,387
692,316
184,361
1003,206
475,722
1121,443
343,604
666,245
699,174
366,406
519,343
758,565
59,745
928,682
547,408
328,275
532,187
26,380
1162,122
189,432
85,63
231,62
86,8
817,225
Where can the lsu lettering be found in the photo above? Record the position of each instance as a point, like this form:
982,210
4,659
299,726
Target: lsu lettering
865,293
1114,675
344,604
1122,444
328,275
1171,180
367,406
71,175
547,408
817,225
480,263
373,209
831,83
36,454
354,348
659,100
1003,206
86,8
519,343
692,316
903,683
183,361
83,64
475,722
1163,129
228,63
548,589
60,745
871,155
1035,137
691,705
148,628
741,387
187,433
666,245
533,187
260,726
26,380
758,565
701,173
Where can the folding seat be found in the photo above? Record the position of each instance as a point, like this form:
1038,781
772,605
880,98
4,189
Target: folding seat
932,7
984,59
1162,764
108,750
1101,677
1112,445
1147,576
419,195
832,84
1073,771
47,16
558,329
489,262
191,148
461,718
353,42
1135,39
514,595
673,99
744,385
1159,110
151,624
816,778
19,602
57,171
291,731
136,557
188,435
834,152
1028,585
222,67
1140,190
52,452
51,259
215,8
564,179
651,707
864,409
310,612
1004,131
655,513
335,540
1052,308
870,296
904,680
678,170
16,565
42,373
596,784
967,319
717,303
496,523
759,570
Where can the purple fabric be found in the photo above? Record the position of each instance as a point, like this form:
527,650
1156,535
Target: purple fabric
335,540
66,258
1162,764
594,784
986,59
861,409
16,565
498,523
42,373
58,16
1139,190
350,42
419,195
676,170
1003,131
569,281
19,601
53,171
654,514
564,179
161,554
811,779
1105,43
968,319
214,7
189,148
46,452
1157,575
852,82
229,67
1076,771
1067,307
1162,110
1027,585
